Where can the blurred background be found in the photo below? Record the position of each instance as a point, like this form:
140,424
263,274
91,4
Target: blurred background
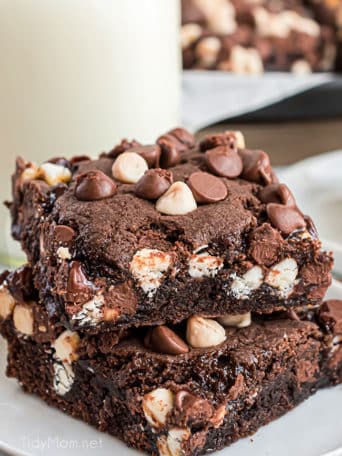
79,75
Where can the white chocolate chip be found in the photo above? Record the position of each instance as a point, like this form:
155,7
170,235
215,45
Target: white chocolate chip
63,253
91,312
29,173
220,15
301,67
148,267
54,174
204,332
66,346
207,51
157,405
171,445
236,321
7,302
23,319
189,34
204,265
245,61
63,379
129,167
240,139
283,276
178,200
281,24
250,281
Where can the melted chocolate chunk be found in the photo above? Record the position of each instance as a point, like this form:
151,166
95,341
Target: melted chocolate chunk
162,339
64,234
80,289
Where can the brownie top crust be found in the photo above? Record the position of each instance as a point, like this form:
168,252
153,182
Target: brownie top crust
154,233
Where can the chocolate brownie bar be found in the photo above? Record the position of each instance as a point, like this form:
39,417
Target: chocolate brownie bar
190,403
244,36
147,235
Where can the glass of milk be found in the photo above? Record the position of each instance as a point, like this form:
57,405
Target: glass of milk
78,75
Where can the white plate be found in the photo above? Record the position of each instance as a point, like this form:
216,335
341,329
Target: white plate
317,185
29,427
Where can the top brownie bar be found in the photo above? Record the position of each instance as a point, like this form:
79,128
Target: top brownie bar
146,235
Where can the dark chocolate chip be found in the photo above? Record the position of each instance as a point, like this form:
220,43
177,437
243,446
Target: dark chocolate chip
20,284
171,151
163,340
122,147
94,185
277,193
153,184
256,166
183,136
80,289
150,153
330,314
223,161
286,219
64,233
265,244
227,139
207,188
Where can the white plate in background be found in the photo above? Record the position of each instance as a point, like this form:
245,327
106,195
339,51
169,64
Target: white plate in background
29,427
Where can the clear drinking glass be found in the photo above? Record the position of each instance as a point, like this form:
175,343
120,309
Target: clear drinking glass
78,75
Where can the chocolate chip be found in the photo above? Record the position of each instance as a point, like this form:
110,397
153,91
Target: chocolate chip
265,244
94,185
171,150
207,188
227,139
163,340
80,289
277,193
256,166
330,314
122,147
153,184
286,219
185,400
79,158
183,136
224,162
193,407
150,153
20,284
64,234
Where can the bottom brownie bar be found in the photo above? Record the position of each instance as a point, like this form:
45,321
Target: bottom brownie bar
191,403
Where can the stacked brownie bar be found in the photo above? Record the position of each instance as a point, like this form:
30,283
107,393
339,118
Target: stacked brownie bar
247,36
173,292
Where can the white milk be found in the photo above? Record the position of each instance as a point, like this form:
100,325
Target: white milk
78,75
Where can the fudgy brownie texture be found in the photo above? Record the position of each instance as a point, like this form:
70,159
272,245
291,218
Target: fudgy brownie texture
244,36
147,235
191,403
